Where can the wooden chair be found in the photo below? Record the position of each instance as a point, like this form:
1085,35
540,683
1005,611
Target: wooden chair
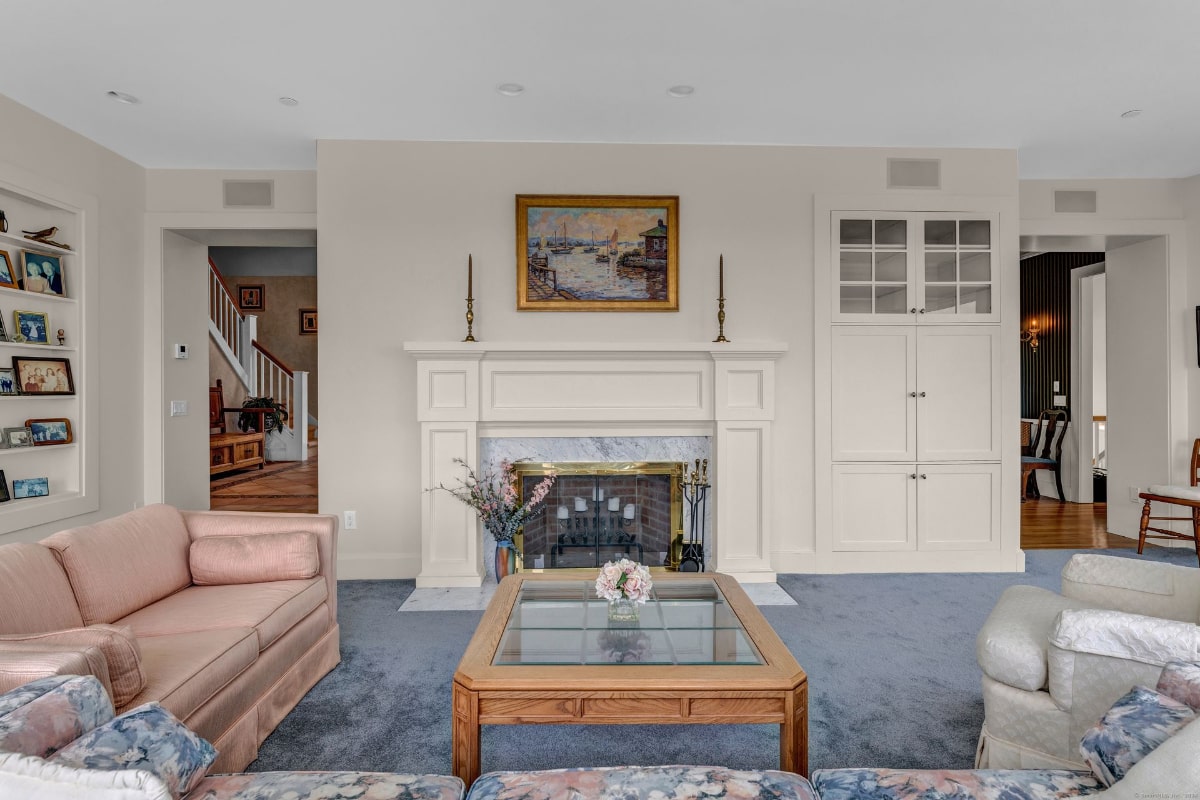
1186,496
229,451
1045,450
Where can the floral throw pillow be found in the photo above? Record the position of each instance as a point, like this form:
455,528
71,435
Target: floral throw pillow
148,738
1130,730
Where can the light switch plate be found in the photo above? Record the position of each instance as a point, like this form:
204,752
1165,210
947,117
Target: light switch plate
179,408
1060,399
181,351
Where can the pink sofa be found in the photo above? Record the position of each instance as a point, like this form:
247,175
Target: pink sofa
227,619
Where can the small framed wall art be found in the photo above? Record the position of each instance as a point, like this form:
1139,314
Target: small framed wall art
33,325
252,297
6,271
308,321
50,431
4,498
44,375
597,252
30,487
43,273
16,437
8,381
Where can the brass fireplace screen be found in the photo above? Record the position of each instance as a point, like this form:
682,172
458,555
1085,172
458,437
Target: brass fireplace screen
600,511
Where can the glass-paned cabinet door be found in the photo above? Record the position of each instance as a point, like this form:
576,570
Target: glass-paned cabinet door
874,270
959,270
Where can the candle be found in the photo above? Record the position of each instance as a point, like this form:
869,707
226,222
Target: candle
628,513
562,512
721,289
580,504
470,274
614,504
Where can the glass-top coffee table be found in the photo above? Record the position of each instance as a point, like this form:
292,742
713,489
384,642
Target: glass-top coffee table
545,652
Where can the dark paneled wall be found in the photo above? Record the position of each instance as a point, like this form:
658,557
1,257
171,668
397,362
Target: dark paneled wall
1046,296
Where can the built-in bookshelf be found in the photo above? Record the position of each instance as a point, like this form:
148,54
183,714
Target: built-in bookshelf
70,468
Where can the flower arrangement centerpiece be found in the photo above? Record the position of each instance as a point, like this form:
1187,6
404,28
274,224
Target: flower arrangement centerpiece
625,585
495,498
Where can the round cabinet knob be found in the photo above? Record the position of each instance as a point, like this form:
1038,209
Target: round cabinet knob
912,394
913,476
924,477
912,311
922,311
922,394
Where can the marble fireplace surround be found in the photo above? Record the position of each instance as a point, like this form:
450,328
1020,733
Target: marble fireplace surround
469,391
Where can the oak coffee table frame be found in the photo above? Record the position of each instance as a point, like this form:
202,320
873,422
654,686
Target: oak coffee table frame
485,693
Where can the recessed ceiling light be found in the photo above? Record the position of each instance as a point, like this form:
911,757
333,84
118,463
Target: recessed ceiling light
121,97
1133,112
510,89
289,101
682,90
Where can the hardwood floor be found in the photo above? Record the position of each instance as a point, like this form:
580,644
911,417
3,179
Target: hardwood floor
1048,524
286,488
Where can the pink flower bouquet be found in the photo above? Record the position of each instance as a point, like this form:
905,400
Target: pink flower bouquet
494,498
624,579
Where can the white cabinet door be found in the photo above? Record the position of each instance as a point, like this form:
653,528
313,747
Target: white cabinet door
958,506
874,507
958,397
874,393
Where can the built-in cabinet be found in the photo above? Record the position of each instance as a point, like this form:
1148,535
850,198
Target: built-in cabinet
70,469
914,358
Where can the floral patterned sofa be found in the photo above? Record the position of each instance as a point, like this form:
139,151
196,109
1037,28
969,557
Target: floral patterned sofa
59,739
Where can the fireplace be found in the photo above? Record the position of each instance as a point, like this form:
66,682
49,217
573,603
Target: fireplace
601,511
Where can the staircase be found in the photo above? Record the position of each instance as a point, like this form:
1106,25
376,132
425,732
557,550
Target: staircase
261,374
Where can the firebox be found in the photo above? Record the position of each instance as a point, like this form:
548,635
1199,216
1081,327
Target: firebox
601,511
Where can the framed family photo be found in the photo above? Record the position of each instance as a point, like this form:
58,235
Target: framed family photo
16,437
7,276
597,252
50,431
31,487
308,321
252,297
44,375
8,381
42,273
33,325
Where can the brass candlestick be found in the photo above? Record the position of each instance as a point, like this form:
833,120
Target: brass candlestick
721,304
470,300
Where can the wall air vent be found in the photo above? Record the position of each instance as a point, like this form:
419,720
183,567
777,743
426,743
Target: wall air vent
914,173
249,194
1074,202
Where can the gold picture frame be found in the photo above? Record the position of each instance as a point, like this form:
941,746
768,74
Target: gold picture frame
597,252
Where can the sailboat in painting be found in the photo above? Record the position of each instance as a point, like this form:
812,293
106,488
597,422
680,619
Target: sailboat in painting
563,246
591,248
610,249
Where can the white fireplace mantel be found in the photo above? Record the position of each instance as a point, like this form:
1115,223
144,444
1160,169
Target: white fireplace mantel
466,390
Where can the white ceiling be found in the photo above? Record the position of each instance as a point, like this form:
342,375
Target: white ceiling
1049,77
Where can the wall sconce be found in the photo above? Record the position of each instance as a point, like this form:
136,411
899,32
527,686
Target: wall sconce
1030,334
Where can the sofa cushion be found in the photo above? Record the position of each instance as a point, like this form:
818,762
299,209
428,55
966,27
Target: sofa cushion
270,608
327,785
147,738
31,777
944,784
185,670
47,714
35,595
291,555
713,783
1171,771
125,563
1180,680
116,642
1011,645
1135,725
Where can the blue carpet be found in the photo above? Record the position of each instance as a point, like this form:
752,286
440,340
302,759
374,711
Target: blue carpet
890,660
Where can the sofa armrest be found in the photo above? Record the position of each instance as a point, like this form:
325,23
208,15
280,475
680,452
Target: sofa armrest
1011,644
22,663
1096,655
247,523
1162,590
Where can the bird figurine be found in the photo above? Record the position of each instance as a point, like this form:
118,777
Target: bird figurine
43,237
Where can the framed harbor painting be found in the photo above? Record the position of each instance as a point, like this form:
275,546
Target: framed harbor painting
597,252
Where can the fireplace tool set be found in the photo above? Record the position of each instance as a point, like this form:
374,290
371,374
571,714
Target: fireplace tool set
695,493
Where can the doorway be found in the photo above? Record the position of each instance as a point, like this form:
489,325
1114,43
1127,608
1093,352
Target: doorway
1103,356
252,325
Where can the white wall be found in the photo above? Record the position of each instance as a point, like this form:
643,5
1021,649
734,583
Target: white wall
396,223
1099,284
34,147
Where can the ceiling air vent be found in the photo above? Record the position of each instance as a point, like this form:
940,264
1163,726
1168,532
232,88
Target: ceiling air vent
1074,202
249,194
914,173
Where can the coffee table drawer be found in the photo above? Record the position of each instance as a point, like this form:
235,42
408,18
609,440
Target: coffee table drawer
531,708
633,707
769,709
